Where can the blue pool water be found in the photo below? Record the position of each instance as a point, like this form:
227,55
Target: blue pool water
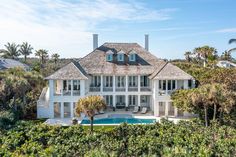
119,121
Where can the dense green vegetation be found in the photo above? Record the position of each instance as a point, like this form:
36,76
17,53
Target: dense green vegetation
160,139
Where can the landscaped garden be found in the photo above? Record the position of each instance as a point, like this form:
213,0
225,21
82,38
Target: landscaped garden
188,138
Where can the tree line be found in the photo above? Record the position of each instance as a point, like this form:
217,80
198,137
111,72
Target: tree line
14,51
208,55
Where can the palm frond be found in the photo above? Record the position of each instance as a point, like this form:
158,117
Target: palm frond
232,41
231,50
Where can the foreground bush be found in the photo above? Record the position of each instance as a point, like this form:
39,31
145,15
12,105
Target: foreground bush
160,139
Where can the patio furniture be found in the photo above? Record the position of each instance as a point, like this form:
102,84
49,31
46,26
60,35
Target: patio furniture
144,110
101,111
136,108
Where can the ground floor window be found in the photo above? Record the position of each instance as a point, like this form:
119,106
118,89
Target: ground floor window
57,109
171,109
108,100
133,100
162,108
67,110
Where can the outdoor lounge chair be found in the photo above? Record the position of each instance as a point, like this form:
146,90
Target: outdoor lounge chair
144,110
136,109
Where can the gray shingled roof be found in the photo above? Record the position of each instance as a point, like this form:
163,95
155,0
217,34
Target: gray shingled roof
71,71
95,62
11,63
170,71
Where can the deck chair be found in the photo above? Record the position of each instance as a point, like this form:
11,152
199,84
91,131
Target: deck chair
135,109
144,110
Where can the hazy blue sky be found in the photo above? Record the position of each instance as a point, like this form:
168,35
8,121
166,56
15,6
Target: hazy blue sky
66,27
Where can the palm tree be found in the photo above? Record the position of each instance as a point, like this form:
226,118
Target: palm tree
205,52
42,54
89,106
226,55
55,57
26,49
187,56
11,51
230,42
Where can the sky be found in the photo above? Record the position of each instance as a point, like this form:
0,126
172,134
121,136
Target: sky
66,26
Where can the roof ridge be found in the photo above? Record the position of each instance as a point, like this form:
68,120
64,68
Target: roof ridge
159,70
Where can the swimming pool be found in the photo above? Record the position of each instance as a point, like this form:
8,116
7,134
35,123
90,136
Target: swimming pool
119,121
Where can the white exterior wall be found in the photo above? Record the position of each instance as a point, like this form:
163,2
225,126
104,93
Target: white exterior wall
84,91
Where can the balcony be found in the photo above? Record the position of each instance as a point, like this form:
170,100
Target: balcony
66,92
76,93
145,89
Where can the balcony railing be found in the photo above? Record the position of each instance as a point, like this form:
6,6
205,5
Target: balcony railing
132,89
145,89
120,89
76,92
107,89
66,92
94,89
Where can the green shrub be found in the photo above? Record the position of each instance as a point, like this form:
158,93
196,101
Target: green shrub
7,119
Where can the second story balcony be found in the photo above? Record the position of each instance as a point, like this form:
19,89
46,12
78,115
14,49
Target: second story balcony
66,87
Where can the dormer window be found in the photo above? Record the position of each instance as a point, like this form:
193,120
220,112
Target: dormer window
120,56
109,56
132,56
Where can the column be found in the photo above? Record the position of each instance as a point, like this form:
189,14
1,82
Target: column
114,83
51,94
154,98
166,108
62,93
139,101
157,109
72,87
71,109
126,83
139,83
82,87
101,88
185,84
114,100
126,100
166,87
176,85
62,110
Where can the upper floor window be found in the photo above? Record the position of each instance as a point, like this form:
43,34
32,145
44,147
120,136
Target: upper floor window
109,55
144,81
120,56
76,84
132,57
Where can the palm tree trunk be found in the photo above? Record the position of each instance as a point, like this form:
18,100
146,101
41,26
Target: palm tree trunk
214,115
91,124
206,118
25,58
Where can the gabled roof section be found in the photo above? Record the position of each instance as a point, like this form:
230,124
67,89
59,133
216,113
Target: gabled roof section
71,71
110,52
170,71
145,64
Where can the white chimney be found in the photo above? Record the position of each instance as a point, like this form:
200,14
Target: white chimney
95,41
147,42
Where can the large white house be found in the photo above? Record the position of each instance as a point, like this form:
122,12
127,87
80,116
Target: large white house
125,74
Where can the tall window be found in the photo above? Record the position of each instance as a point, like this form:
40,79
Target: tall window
76,85
57,109
144,81
132,100
109,57
133,81
108,81
66,84
109,100
67,110
120,81
120,57
96,81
